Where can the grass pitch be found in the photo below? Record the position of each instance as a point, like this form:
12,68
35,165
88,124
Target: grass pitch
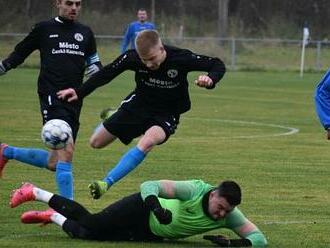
259,129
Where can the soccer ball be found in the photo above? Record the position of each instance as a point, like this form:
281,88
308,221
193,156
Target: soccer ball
56,134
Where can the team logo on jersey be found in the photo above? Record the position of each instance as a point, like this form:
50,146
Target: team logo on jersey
172,73
79,37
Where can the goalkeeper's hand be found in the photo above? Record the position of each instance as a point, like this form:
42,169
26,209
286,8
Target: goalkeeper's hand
92,69
163,215
2,69
222,241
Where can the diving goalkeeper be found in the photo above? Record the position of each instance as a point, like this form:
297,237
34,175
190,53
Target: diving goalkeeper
161,210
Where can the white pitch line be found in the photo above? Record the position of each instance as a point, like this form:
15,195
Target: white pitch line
290,130
26,235
294,222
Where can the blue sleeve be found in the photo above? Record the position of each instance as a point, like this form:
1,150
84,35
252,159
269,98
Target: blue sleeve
322,100
127,38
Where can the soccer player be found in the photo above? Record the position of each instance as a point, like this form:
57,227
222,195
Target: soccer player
153,109
134,28
66,49
322,102
161,210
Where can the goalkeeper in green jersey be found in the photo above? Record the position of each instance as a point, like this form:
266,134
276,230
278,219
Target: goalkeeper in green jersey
162,210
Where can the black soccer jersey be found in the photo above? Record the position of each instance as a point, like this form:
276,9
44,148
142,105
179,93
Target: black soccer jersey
161,90
66,47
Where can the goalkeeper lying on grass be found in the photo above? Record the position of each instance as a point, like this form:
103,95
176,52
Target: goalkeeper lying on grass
162,210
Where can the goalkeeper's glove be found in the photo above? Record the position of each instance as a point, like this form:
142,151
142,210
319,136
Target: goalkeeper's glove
224,242
2,69
163,215
92,69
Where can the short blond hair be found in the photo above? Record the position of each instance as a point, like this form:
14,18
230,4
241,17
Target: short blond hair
146,40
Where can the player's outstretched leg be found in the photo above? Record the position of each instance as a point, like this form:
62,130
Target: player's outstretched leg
23,194
31,156
3,160
129,161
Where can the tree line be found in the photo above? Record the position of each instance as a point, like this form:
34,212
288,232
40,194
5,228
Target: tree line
238,18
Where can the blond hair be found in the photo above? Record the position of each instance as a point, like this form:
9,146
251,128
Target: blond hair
146,40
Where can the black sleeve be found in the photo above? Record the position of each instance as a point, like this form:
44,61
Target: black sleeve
124,62
214,66
23,49
91,46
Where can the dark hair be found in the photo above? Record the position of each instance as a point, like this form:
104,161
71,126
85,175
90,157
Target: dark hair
142,9
231,191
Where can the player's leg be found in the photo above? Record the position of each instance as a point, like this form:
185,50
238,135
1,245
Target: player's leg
126,219
101,137
126,126
63,173
61,212
53,108
133,157
157,130
30,156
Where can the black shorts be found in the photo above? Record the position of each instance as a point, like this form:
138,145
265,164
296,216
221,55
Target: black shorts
126,219
127,125
53,108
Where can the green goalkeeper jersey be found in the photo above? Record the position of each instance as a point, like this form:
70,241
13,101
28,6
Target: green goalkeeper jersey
188,216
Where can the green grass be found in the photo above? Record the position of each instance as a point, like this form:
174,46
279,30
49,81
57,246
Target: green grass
233,132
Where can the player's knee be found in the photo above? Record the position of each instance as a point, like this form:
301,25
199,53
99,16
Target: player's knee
146,144
95,143
52,165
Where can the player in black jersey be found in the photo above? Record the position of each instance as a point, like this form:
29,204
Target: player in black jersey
67,48
153,109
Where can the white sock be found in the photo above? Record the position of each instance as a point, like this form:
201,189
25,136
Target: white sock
42,195
58,219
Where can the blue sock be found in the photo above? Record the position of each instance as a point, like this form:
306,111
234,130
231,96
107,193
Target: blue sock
64,179
128,162
32,156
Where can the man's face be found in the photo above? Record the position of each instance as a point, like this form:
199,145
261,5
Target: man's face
142,15
218,206
154,57
69,9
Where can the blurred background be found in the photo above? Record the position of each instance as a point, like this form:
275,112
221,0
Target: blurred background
246,34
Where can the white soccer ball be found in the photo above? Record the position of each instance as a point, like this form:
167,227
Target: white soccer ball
56,134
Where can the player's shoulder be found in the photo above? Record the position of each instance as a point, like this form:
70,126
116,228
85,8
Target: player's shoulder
44,24
173,51
83,26
132,54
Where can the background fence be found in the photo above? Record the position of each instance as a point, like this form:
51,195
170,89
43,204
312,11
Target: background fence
237,53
